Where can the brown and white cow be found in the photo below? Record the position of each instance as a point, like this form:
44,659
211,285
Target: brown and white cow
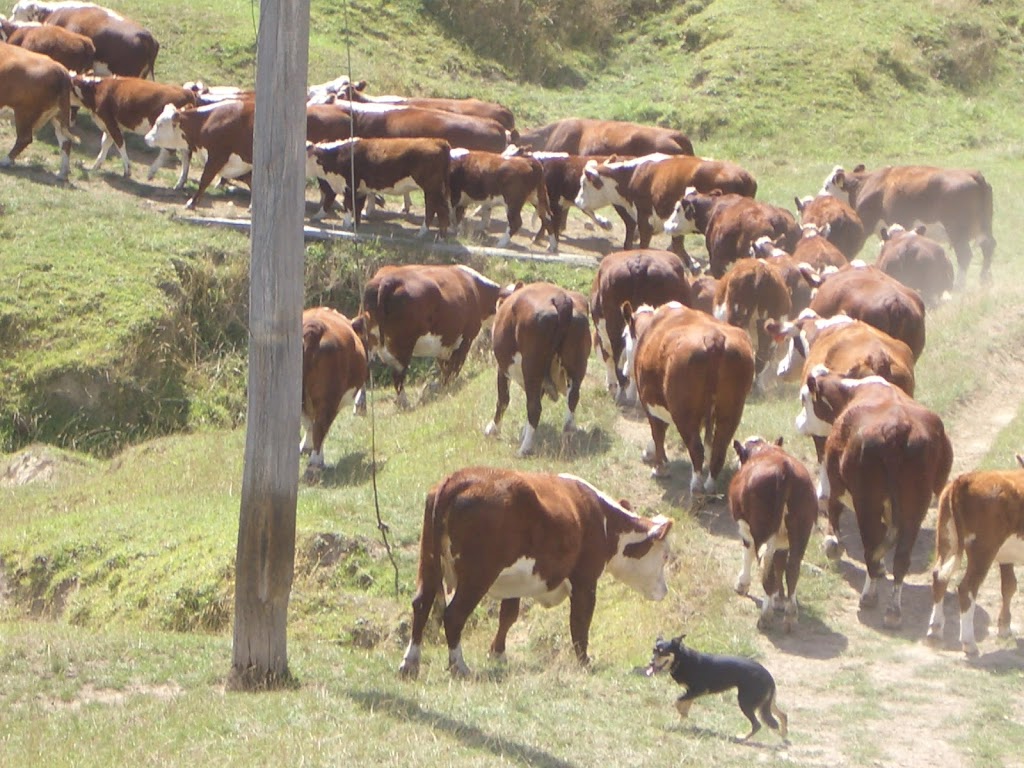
773,502
815,248
793,272
750,294
731,224
541,339
416,310
400,122
74,51
35,90
981,514
650,188
888,455
845,229
123,47
866,293
917,261
641,277
126,104
704,287
489,180
960,200
390,166
587,136
509,535
692,371
334,373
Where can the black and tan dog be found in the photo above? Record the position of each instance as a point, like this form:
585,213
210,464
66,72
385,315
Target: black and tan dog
704,673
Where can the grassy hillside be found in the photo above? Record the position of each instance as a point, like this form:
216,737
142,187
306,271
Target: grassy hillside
122,372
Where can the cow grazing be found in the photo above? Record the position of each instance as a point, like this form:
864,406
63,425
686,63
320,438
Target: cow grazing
489,179
126,104
123,47
868,294
889,455
644,277
76,52
981,514
391,166
959,200
731,224
692,371
223,130
586,136
35,90
916,261
773,502
512,535
541,338
418,310
845,229
334,373
753,292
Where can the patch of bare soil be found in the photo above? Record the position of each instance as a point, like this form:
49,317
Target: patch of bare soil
27,467
89,694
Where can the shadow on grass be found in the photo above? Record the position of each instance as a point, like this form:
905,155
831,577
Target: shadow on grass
351,470
699,732
810,638
44,174
407,710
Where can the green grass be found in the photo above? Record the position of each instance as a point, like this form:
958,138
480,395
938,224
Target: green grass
122,357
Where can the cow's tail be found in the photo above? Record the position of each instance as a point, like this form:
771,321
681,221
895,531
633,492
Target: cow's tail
544,202
385,292
949,533
684,143
435,522
152,49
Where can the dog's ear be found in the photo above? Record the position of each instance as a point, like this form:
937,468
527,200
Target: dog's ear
678,640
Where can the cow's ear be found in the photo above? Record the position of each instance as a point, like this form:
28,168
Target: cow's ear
920,229
779,442
360,85
810,275
611,159
625,504
799,205
859,168
884,233
1020,459
662,525
740,451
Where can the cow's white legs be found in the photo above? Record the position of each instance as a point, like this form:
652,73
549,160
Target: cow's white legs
493,429
791,612
894,613
410,666
710,484
569,425
504,240
627,396
359,403
456,664
936,622
316,460
767,617
106,142
186,161
64,141
967,641
126,164
161,160
527,447
306,444
696,482
869,597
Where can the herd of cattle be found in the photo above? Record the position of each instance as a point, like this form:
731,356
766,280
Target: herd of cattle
688,349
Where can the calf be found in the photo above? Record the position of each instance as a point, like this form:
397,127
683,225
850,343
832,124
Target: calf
541,338
512,535
888,454
704,288
730,224
959,200
74,51
490,179
695,372
424,311
845,229
751,293
793,272
127,104
772,500
223,130
334,373
391,166
981,514
868,294
916,261
816,249
645,277
585,136
34,90
123,47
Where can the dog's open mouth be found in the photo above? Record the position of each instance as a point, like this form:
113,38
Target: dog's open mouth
658,664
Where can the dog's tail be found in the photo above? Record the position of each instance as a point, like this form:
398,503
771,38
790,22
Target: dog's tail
769,710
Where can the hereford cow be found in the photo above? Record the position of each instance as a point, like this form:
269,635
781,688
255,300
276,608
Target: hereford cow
959,200
392,166
704,288
74,51
223,130
512,535
730,224
644,277
424,311
488,179
772,500
35,90
793,272
126,104
981,514
692,371
123,47
334,373
845,229
916,261
585,136
816,249
649,188
399,122
887,453
750,294
868,294
541,338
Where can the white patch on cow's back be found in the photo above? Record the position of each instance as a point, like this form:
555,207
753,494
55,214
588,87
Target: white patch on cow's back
875,379
1012,551
456,152
600,494
654,157
522,580
477,276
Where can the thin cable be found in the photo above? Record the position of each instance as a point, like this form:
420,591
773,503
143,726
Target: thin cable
351,127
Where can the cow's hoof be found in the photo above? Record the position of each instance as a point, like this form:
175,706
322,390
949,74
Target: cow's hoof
1004,631
833,549
660,471
788,623
710,485
869,601
934,636
742,588
409,670
893,618
970,650
460,671
764,623
492,430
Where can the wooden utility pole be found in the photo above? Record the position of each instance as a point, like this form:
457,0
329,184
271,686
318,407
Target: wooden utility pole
265,559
